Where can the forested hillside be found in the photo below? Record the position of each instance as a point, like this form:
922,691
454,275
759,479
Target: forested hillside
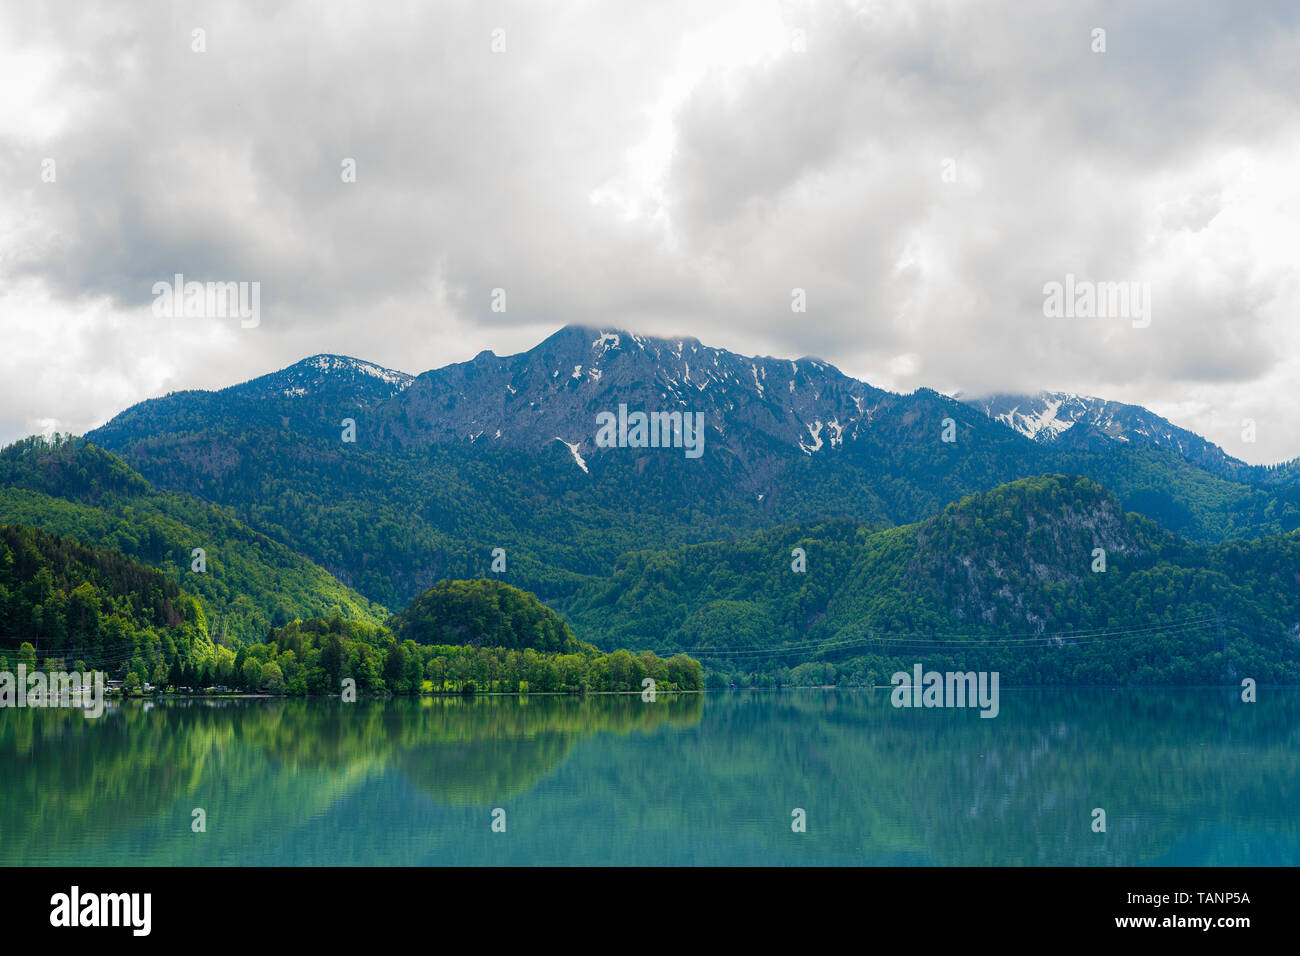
484,613
71,487
92,607
1007,579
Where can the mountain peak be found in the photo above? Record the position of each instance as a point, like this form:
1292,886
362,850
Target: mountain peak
328,371
1082,421
556,389
605,338
326,362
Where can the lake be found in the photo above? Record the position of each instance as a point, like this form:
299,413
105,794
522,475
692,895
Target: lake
1185,777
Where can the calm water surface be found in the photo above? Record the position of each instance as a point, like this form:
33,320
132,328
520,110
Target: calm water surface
1187,777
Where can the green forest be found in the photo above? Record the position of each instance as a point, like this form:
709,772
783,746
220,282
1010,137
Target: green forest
1003,579
78,607
70,487
67,605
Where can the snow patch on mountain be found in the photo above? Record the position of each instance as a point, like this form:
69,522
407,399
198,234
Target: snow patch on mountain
815,430
573,450
1038,424
338,363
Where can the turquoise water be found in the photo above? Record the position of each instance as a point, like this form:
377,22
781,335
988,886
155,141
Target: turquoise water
1186,777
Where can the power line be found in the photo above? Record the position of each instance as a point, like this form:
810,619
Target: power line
1058,639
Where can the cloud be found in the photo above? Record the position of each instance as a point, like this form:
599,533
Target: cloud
920,170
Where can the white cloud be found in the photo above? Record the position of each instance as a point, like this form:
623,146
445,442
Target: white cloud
677,167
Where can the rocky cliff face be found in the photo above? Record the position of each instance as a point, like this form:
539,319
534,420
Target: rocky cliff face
1009,554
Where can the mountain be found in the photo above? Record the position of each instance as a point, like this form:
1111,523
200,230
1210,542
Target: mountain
450,466
310,396
501,452
1081,422
755,411
553,392
369,384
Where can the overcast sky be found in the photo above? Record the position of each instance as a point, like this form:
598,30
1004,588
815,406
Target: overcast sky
920,169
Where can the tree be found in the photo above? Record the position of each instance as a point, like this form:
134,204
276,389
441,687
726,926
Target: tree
273,678
395,667
414,673
331,660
